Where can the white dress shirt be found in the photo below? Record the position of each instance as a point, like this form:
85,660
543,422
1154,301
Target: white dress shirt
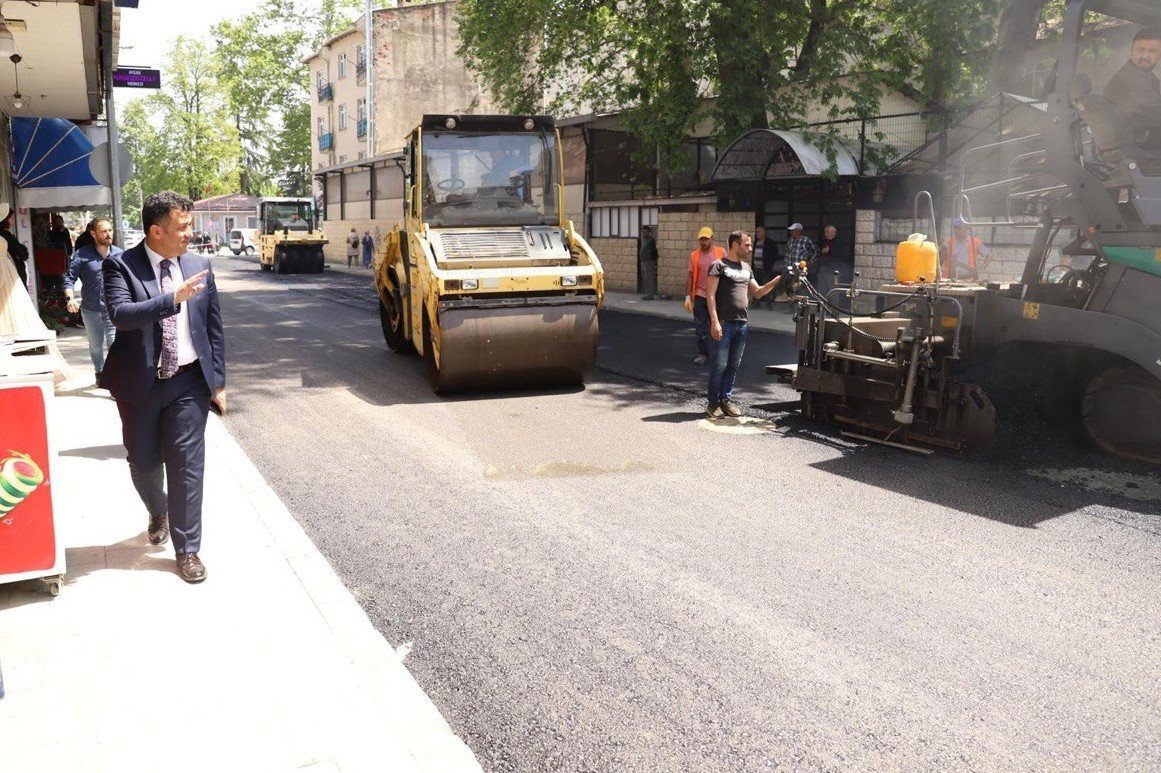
185,348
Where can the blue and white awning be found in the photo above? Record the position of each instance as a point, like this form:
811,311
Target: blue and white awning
50,164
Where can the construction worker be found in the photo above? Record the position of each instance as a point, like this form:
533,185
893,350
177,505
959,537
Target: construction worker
696,289
962,253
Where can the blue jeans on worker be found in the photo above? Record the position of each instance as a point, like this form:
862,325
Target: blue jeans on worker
724,360
100,332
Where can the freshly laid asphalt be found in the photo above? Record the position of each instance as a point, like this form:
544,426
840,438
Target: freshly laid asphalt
599,579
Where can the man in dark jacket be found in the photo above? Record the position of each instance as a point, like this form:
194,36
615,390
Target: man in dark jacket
832,257
767,261
1136,92
647,258
17,251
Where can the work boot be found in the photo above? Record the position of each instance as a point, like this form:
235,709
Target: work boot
713,411
730,408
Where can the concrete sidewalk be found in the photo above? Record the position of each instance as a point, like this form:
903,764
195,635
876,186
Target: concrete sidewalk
269,665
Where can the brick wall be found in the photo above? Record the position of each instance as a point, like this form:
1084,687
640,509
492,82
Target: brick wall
677,237
619,260
875,260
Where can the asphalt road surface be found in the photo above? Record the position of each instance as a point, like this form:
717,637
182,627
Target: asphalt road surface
600,580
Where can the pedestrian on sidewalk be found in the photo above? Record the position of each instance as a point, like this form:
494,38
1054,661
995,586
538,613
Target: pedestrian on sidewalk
368,249
832,257
767,261
647,258
695,291
16,251
800,249
352,248
86,266
730,284
165,368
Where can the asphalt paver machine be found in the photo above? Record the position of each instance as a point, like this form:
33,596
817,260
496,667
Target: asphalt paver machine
486,278
1085,317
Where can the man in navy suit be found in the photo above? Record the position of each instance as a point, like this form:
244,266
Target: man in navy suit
165,367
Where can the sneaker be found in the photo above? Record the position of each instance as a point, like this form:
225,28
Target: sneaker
699,360
714,411
730,409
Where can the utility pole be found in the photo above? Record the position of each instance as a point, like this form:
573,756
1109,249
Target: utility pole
111,117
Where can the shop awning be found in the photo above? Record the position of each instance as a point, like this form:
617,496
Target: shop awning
773,154
50,164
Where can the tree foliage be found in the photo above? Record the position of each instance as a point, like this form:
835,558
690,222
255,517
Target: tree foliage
181,137
669,64
264,81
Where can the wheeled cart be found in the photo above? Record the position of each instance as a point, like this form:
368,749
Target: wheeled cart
30,547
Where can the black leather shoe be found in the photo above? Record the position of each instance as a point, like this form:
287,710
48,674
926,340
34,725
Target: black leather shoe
159,529
190,567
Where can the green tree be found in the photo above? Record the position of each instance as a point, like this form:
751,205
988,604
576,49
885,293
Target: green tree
668,64
181,138
264,81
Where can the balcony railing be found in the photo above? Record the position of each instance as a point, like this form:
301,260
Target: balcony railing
361,129
325,92
361,71
326,141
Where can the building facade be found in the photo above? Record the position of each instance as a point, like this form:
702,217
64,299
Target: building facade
365,105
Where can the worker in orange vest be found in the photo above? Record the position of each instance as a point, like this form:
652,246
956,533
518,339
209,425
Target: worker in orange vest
695,288
962,253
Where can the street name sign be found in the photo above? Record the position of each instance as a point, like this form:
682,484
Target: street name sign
136,78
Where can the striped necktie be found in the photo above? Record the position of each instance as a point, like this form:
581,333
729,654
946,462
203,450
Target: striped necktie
168,364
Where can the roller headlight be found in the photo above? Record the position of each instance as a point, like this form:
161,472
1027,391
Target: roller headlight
568,281
470,284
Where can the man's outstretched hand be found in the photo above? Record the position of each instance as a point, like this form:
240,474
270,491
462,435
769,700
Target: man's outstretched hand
191,287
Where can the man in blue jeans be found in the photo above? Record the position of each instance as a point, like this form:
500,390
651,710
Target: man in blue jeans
86,266
731,282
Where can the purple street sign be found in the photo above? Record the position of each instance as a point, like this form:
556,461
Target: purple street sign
136,78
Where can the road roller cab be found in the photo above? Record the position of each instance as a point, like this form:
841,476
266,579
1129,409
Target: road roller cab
486,278
291,241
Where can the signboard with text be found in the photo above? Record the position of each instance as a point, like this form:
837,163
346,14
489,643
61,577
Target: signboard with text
136,78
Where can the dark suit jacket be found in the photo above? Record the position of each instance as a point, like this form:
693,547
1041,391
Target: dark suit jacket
136,307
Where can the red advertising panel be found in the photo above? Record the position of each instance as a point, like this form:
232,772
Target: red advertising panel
27,536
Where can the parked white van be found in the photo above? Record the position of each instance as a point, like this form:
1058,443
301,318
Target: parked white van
242,240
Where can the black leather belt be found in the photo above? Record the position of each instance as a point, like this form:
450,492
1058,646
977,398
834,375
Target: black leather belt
180,369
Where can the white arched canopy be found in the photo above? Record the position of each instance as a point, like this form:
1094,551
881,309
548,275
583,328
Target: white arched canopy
770,154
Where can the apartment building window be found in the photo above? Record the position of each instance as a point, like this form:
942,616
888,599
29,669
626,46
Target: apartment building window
322,126
361,109
318,78
342,117
342,159
342,65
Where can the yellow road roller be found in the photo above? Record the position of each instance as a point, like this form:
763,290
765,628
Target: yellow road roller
485,278
291,241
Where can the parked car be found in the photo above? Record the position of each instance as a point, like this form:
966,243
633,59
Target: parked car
242,240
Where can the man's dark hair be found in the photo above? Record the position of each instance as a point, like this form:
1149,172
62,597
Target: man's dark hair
736,237
92,226
646,228
157,207
1148,33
